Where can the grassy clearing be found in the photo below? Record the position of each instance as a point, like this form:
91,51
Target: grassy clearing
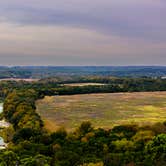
103,110
83,84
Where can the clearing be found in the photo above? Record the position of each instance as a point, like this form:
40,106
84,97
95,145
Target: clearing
84,84
103,110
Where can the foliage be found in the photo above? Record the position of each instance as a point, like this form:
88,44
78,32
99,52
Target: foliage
32,145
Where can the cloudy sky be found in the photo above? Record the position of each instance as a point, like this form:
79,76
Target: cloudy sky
83,32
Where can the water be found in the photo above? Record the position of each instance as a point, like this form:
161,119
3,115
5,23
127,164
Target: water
2,124
1,107
2,143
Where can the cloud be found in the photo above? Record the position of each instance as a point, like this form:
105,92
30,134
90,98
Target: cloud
131,18
81,32
65,45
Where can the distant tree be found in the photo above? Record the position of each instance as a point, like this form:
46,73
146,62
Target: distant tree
156,150
38,160
60,134
93,164
123,145
141,138
9,158
8,133
84,128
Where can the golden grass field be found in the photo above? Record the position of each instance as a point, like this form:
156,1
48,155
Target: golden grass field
103,110
83,84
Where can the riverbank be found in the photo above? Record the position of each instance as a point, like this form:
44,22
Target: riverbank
3,124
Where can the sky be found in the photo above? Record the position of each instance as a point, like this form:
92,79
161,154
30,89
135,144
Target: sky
83,32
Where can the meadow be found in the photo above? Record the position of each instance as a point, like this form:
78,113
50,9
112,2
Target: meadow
103,110
83,84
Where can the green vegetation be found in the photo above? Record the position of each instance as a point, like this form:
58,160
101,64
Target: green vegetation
30,144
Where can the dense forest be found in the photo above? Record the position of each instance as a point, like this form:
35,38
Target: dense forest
30,144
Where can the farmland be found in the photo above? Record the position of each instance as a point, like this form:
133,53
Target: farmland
103,110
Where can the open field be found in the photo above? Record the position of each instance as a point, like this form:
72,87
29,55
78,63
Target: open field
19,79
83,84
103,110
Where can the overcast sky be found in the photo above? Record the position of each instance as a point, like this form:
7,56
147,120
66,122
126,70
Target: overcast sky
83,32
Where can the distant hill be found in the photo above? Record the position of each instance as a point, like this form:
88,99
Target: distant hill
49,71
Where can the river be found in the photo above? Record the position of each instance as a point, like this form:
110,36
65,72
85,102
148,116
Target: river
1,107
2,125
